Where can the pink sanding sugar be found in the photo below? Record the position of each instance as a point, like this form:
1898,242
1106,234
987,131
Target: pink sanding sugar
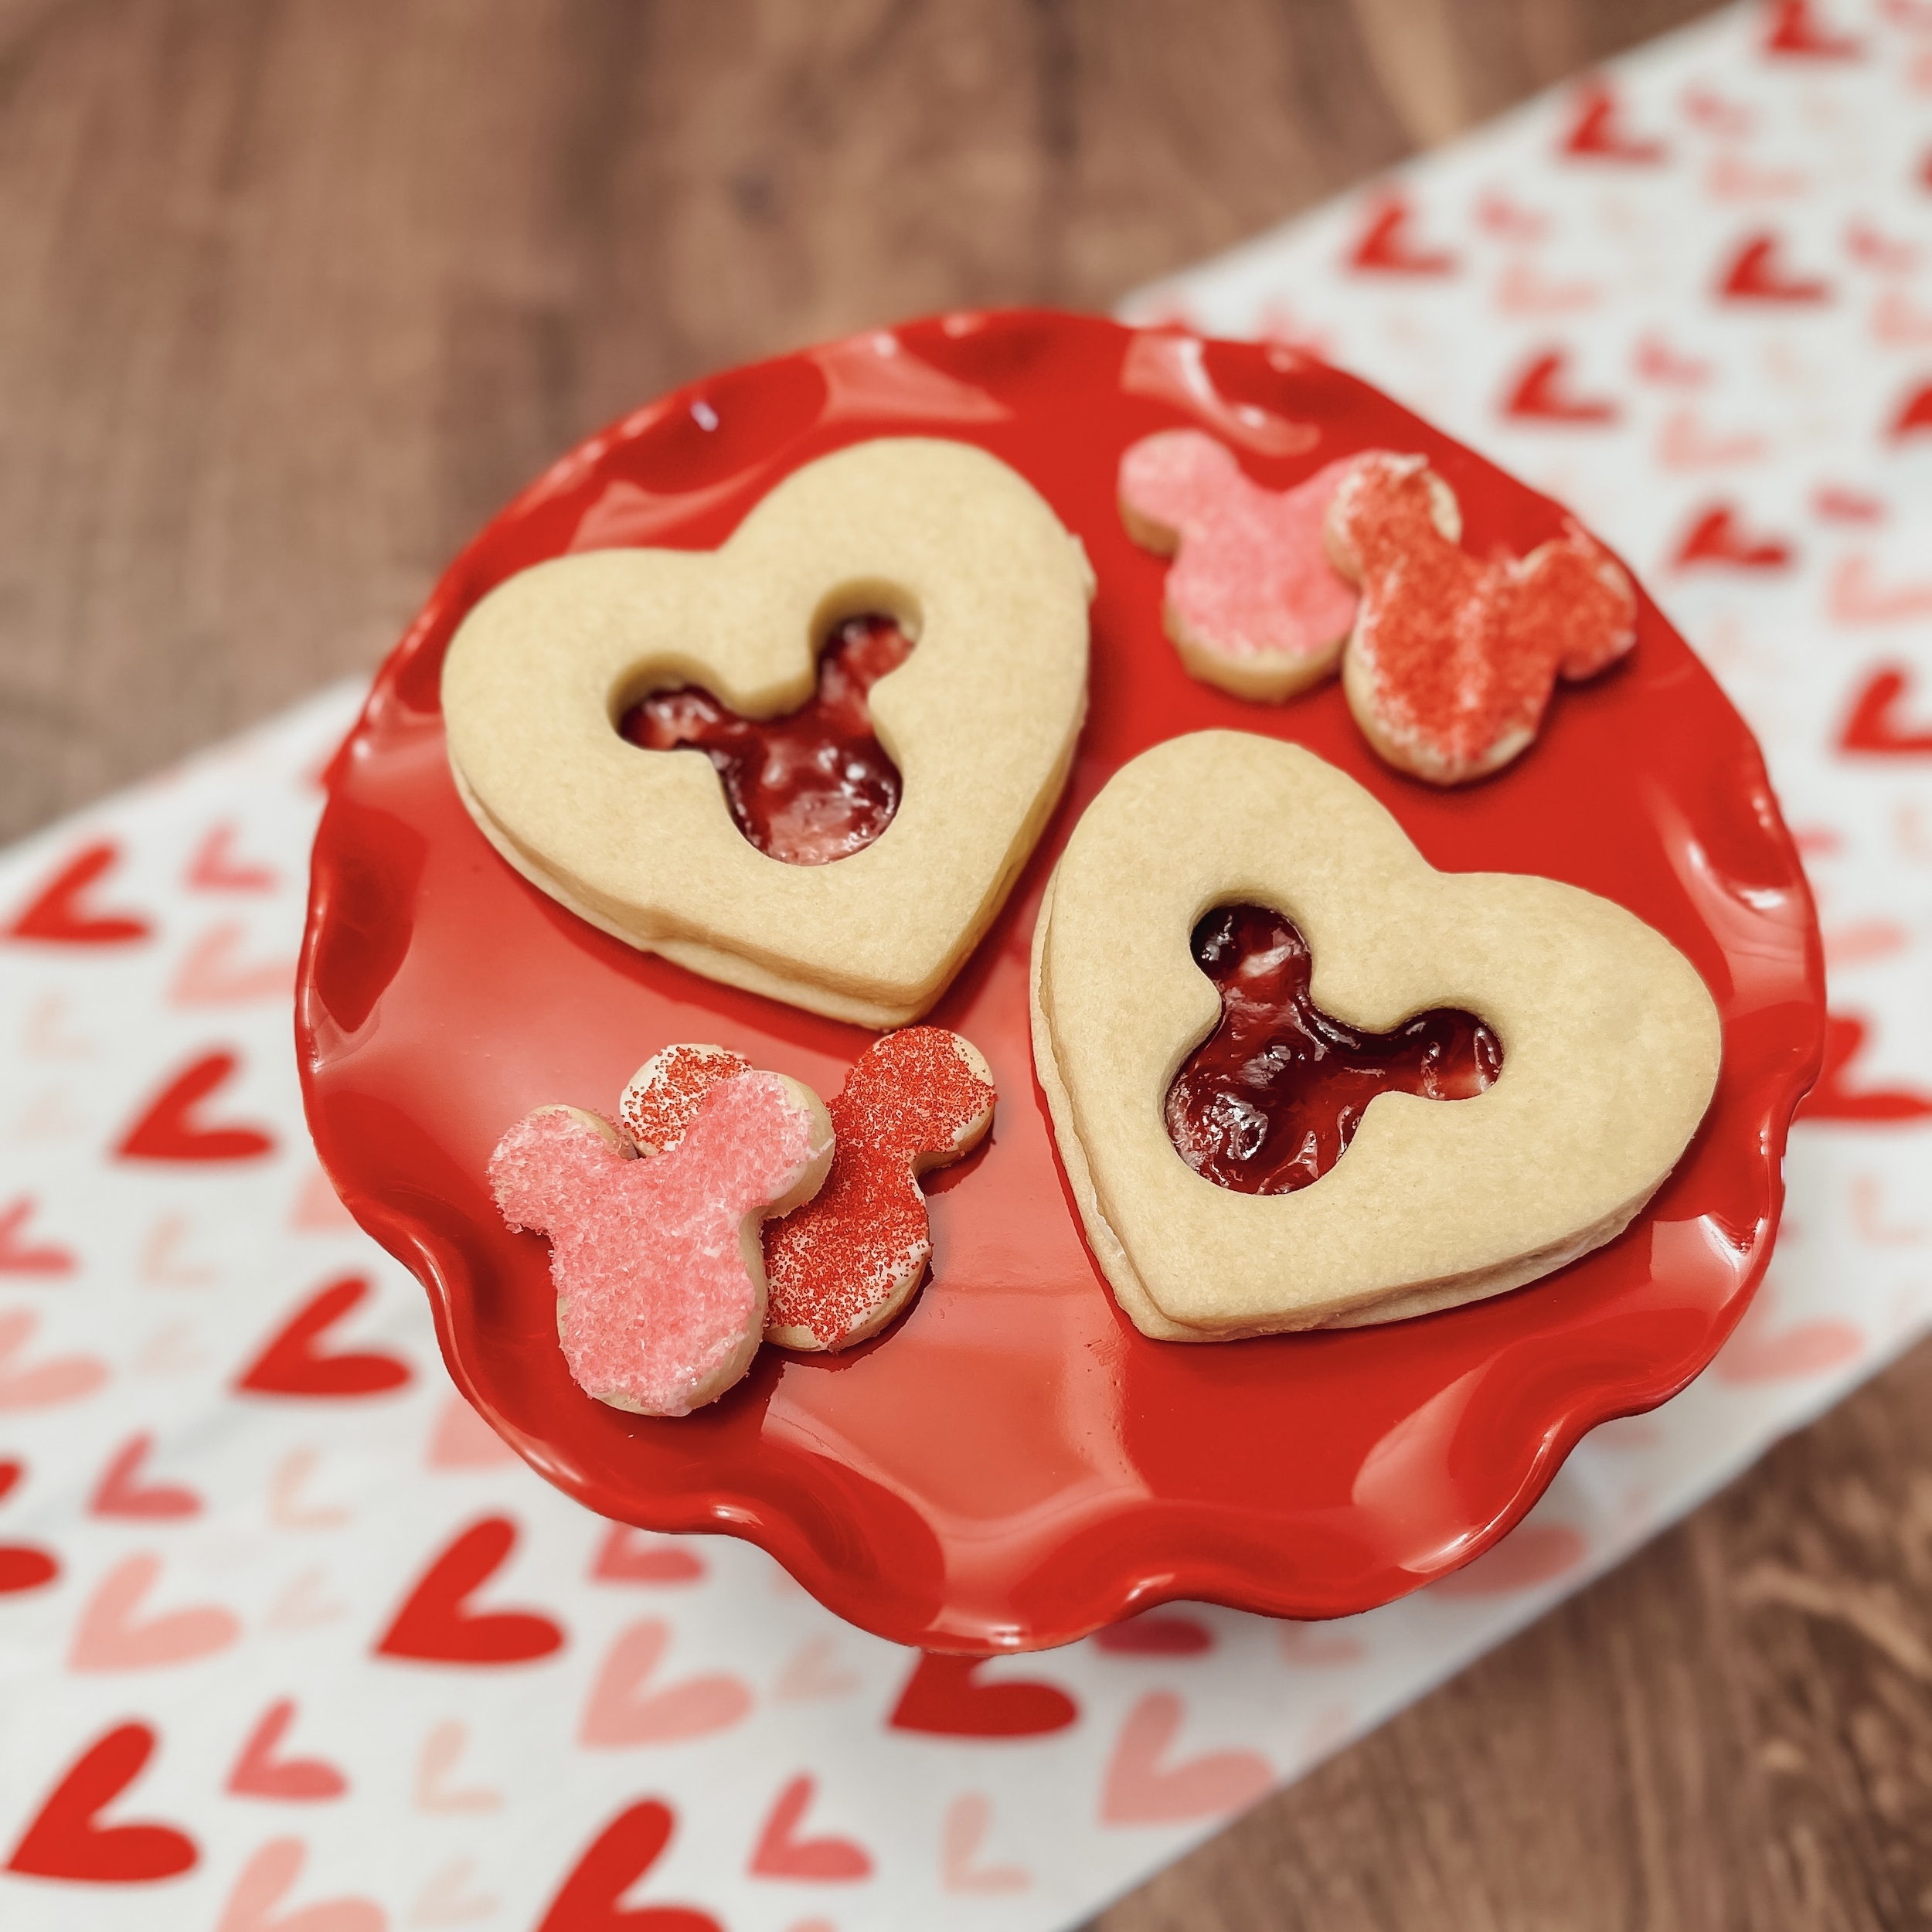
1251,573
657,1299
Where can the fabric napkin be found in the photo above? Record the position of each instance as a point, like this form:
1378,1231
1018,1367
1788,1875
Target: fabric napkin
288,1640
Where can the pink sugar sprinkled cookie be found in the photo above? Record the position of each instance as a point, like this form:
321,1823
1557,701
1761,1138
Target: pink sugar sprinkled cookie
845,1263
659,1272
1452,660
1253,603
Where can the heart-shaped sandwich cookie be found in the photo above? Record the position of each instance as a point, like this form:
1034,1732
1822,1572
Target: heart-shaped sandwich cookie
1608,1041
980,720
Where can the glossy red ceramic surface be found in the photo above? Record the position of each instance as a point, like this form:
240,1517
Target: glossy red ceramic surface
1011,1464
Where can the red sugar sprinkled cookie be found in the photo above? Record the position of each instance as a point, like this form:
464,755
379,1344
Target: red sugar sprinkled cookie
659,1274
665,1092
845,1263
841,1267
1452,660
1253,603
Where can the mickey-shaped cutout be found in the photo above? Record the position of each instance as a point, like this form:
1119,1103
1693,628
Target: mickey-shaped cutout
980,722
658,1262
842,1265
1452,660
1610,1047
1252,602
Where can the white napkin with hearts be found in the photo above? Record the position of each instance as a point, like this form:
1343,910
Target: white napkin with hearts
286,1638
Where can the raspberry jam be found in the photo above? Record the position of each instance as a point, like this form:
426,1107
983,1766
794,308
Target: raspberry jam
810,786
1269,1101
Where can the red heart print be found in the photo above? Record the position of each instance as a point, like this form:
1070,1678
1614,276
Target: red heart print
167,1130
55,914
1796,30
66,1840
620,1712
1716,536
18,1256
1387,245
627,1556
109,1636
940,1697
121,1492
1874,724
1596,133
1541,393
1756,273
259,1773
1139,1790
22,1566
291,1364
1528,1555
1155,1634
215,869
614,1862
269,1877
780,1853
435,1625
1916,411
1834,1098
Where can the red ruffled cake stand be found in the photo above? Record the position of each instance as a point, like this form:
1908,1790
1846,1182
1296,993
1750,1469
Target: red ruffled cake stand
1011,1464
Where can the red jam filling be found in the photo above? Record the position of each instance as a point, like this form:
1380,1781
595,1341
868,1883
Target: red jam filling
1270,1101
810,786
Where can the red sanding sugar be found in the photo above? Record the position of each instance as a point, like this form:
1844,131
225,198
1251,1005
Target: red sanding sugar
910,1100
1460,654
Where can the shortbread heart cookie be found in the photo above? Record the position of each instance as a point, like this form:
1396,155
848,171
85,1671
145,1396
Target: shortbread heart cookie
980,721
844,1264
1607,1042
658,1262
1252,602
1452,660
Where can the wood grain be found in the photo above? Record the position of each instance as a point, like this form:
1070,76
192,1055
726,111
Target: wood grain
296,291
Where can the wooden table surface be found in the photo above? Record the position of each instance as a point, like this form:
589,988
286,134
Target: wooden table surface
292,293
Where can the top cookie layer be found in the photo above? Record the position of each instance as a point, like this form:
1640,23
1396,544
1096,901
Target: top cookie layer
1610,1045
981,720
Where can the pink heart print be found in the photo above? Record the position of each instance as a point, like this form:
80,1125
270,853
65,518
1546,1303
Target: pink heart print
661,1287
1452,660
1252,602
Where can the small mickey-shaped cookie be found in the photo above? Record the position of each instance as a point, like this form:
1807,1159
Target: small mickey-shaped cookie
658,1268
845,1263
1452,660
842,1266
1253,603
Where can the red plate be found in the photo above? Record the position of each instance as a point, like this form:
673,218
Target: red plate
1012,1464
